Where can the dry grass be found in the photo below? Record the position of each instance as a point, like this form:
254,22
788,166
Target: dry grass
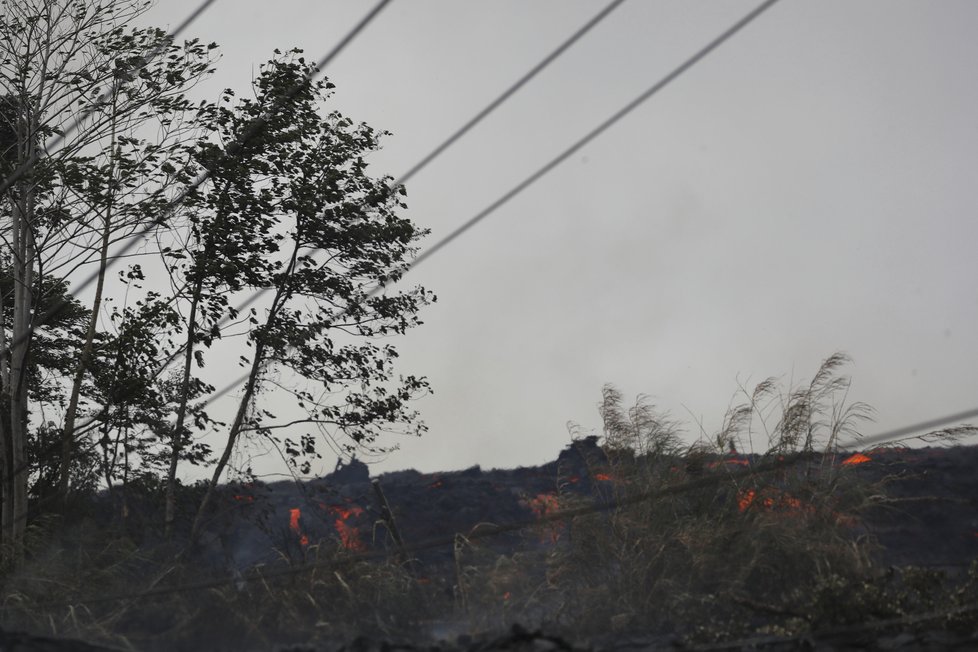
752,552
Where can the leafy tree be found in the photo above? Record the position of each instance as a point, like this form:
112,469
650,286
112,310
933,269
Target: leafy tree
54,350
81,63
327,236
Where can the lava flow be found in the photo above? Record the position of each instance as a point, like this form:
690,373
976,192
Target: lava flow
730,459
543,505
294,515
349,534
857,458
771,500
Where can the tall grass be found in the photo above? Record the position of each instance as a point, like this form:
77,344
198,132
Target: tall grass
776,551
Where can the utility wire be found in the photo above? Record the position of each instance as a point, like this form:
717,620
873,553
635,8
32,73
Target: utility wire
546,61
896,433
254,129
597,131
553,163
464,129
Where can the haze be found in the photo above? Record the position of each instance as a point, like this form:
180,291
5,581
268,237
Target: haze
808,188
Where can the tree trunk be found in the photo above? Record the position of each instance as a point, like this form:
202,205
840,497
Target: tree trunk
71,415
6,451
178,436
281,296
170,508
15,494
232,436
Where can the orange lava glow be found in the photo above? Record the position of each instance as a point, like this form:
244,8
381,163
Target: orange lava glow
294,515
741,461
858,458
349,534
543,505
602,477
745,499
771,500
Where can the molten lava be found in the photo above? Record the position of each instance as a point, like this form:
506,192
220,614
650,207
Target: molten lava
294,515
349,534
745,498
543,505
602,477
771,500
730,459
857,458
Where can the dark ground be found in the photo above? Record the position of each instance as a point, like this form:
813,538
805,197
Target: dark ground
929,518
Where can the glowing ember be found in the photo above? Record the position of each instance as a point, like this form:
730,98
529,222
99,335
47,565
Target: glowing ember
745,498
349,534
858,458
294,515
602,477
771,500
732,459
543,505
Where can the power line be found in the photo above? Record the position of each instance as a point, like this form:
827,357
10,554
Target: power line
546,61
896,433
560,158
464,129
597,131
254,129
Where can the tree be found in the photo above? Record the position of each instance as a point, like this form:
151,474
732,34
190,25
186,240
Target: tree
54,352
328,235
274,196
65,62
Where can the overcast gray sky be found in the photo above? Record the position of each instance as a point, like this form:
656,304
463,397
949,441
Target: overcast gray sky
808,188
